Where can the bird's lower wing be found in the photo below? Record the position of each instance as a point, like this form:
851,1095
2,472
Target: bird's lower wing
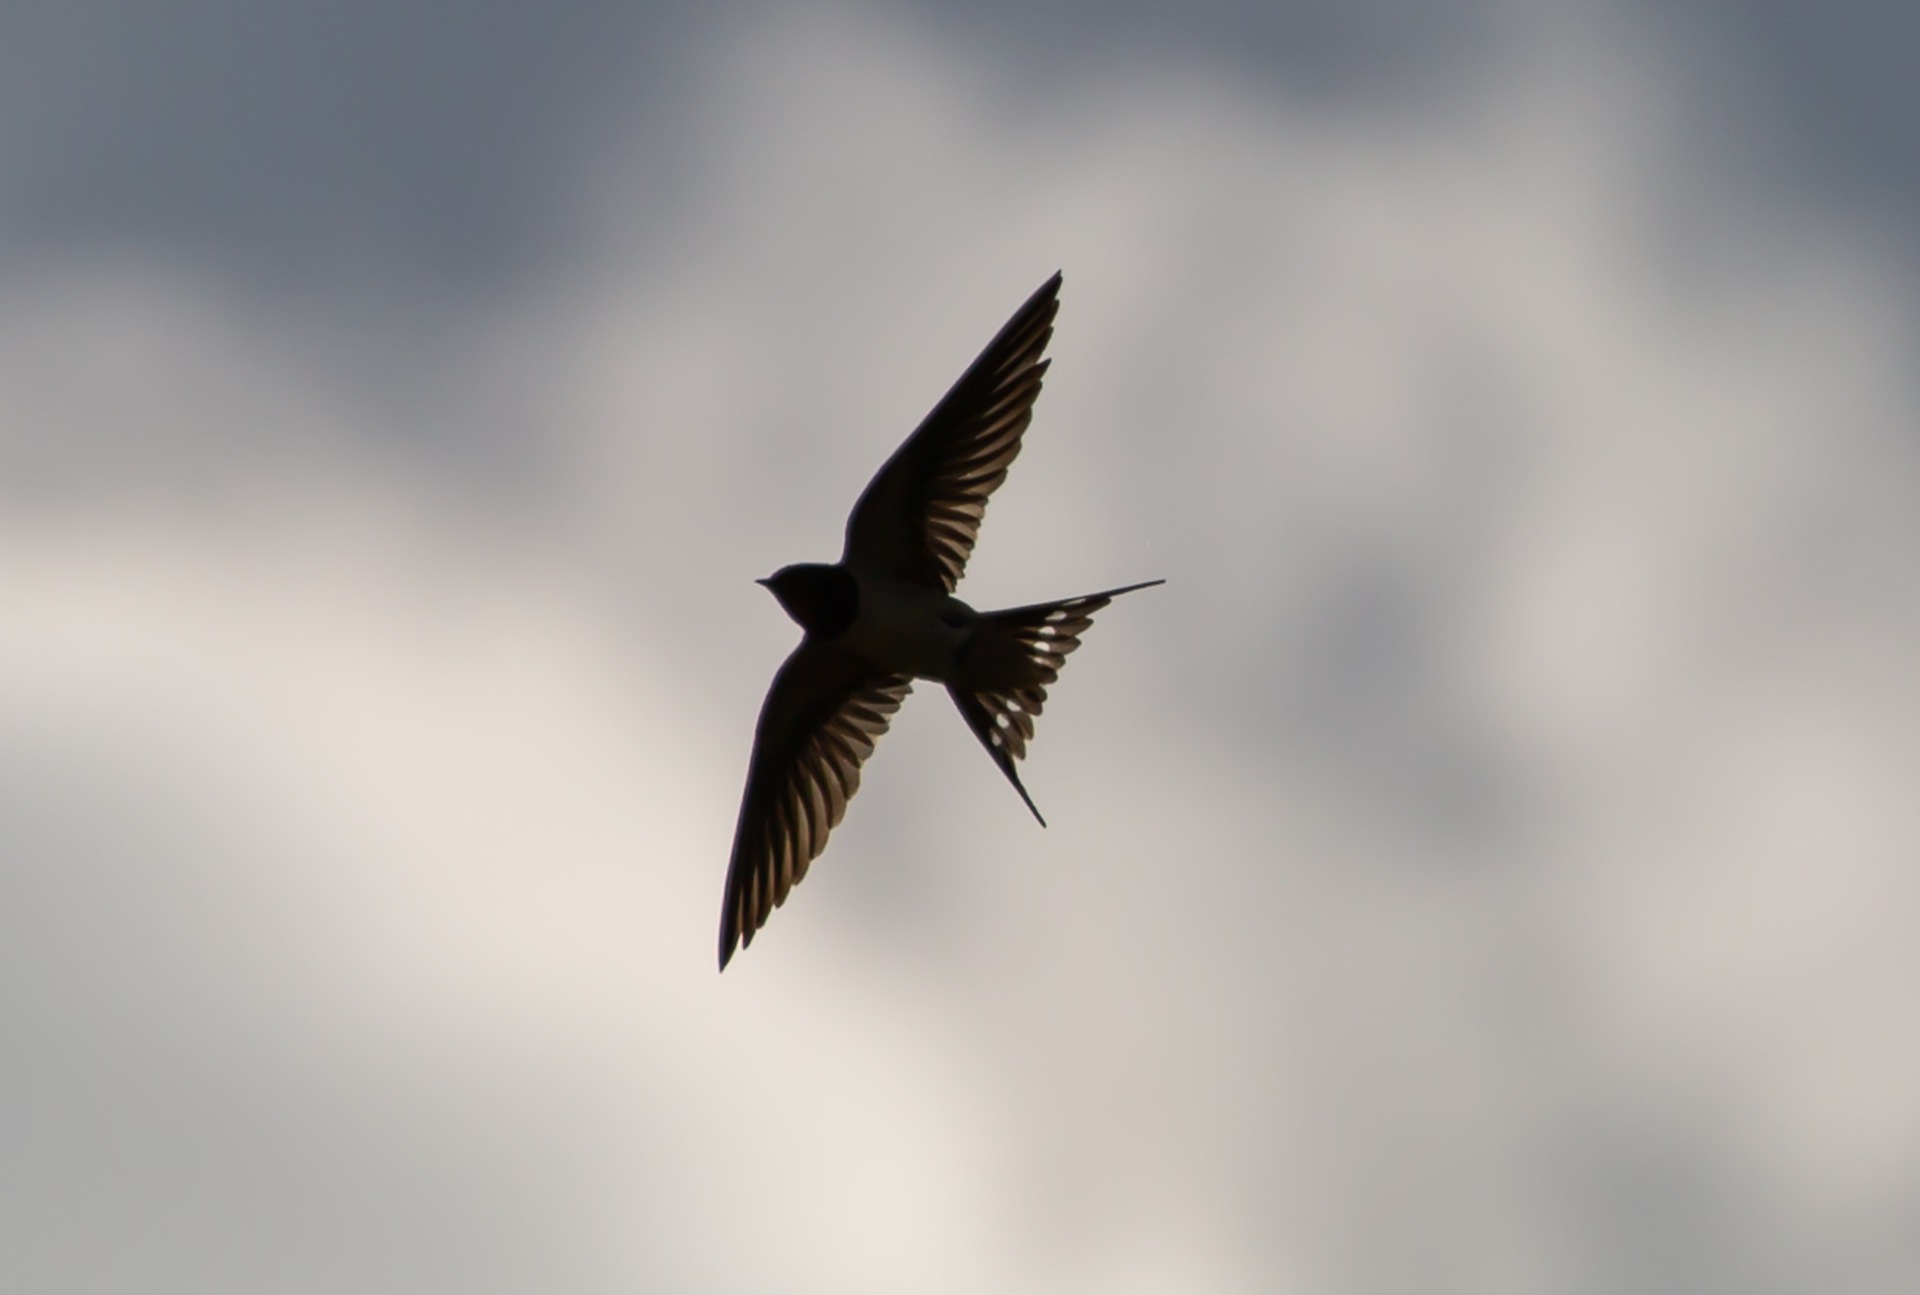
823,715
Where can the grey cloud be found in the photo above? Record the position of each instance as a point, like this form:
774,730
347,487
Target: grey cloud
379,153
1831,85
317,148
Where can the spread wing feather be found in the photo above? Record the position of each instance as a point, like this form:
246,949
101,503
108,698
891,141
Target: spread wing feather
919,516
823,715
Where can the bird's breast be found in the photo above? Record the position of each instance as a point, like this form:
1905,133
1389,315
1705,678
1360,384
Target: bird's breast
909,629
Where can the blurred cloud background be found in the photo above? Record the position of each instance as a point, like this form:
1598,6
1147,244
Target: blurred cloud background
1487,866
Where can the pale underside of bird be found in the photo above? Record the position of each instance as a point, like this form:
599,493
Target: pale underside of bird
885,615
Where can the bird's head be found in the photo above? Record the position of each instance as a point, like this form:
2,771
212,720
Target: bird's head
822,598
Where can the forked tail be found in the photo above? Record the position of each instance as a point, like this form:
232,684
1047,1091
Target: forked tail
1001,684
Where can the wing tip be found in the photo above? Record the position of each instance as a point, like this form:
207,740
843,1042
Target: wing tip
1046,297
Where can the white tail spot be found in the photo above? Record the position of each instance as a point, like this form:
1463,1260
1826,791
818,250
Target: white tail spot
1003,721
1013,705
1047,632
1057,614
994,737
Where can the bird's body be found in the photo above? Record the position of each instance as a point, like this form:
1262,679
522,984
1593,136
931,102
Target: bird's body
885,615
909,627
892,624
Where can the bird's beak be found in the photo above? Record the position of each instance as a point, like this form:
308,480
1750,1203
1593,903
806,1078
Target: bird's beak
765,580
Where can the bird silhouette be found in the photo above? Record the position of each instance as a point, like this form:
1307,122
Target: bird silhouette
885,615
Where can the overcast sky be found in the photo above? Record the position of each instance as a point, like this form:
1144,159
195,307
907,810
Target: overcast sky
1488,865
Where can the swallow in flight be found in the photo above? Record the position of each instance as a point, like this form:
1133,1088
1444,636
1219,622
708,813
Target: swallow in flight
885,615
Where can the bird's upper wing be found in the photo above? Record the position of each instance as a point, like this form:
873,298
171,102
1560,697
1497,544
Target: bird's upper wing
822,716
919,516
